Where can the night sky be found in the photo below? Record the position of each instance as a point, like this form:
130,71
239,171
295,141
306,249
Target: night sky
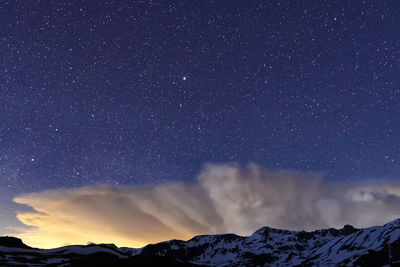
147,92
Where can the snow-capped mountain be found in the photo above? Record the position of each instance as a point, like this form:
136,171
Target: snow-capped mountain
374,246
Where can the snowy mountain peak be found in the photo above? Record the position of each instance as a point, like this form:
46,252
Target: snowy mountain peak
394,223
373,246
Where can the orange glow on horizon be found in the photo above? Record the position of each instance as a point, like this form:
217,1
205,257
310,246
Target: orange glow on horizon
226,199
51,234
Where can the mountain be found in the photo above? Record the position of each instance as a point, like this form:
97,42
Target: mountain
373,246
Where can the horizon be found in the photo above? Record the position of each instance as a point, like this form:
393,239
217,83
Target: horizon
186,240
225,198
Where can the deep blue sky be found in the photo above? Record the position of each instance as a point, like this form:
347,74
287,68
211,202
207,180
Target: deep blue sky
137,92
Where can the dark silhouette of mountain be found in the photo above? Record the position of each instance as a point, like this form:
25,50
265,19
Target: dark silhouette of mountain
12,242
373,246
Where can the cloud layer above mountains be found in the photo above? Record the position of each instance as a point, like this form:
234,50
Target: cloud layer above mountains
225,198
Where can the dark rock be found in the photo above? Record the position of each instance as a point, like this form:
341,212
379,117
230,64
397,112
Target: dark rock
13,242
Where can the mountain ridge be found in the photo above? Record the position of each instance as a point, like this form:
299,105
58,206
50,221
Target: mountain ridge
348,246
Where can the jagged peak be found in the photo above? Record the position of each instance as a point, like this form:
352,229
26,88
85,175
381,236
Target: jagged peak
270,246
265,230
395,222
348,229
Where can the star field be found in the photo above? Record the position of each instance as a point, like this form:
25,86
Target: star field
138,92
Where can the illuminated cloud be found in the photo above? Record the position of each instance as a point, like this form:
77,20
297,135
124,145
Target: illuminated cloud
226,198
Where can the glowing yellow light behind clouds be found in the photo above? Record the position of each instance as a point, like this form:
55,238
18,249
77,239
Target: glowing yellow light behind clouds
226,198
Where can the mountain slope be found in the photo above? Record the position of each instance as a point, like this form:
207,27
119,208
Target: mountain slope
374,246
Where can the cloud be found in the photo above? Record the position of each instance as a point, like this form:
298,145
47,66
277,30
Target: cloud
225,198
